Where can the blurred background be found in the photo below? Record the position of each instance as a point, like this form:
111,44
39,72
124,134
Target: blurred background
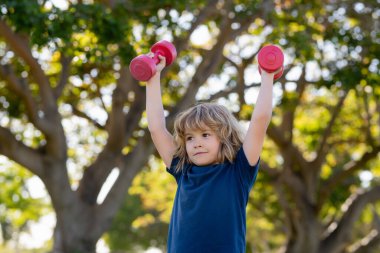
79,172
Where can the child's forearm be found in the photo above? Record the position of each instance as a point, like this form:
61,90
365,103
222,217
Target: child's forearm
154,106
263,107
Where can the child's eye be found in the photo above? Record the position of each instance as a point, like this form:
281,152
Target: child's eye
206,134
189,138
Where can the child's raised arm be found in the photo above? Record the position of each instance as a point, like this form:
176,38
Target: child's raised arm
161,137
254,140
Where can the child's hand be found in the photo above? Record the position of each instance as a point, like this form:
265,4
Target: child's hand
263,72
161,65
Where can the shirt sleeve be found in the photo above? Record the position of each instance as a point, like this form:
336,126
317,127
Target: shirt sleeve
172,169
246,172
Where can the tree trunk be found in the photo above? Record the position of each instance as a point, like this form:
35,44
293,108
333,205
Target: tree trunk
65,242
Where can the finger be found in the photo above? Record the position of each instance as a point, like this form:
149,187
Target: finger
162,59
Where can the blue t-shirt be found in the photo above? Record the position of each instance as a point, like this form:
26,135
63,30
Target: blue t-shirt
209,213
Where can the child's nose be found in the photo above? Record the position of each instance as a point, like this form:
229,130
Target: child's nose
197,144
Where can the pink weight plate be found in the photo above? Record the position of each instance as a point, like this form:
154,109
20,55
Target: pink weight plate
270,58
166,49
142,68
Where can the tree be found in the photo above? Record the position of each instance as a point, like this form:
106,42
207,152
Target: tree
59,67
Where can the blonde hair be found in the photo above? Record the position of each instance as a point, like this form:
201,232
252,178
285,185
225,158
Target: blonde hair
219,120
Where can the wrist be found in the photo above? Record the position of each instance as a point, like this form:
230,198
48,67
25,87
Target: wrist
267,74
155,78
267,77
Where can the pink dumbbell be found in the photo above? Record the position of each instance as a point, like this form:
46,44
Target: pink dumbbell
271,59
143,67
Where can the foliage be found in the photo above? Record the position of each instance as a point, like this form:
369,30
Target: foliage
17,206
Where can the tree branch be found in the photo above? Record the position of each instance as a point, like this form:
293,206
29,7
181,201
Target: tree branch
19,152
367,119
353,207
208,11
50,122
278,137
225,92
83,115
21,89
378,112
64,76
20,46
129,166
368,244
288,116
323,147
271,172
211,60
137,106
96,174
348,169
371,241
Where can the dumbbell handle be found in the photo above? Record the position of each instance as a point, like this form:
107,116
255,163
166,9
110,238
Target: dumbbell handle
155,58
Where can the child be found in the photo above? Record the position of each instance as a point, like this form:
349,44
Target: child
214,166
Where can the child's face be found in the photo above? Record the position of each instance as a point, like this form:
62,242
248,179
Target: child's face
202,146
